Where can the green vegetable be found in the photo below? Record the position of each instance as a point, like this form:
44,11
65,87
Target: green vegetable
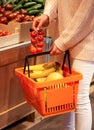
34,12
18,7
6,2
36,7
28,9
39,1
29,4
16,1
22,1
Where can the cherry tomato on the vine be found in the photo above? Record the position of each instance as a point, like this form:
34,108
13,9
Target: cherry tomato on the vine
40,38
40,44
33,40
39,49
41,32
33,49
37,41
33,34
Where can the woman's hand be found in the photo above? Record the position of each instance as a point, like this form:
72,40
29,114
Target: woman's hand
40,22
54,50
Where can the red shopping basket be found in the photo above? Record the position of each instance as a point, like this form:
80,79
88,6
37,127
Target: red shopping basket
50,97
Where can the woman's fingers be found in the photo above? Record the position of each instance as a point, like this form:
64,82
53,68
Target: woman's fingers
54,50
40,22
35,23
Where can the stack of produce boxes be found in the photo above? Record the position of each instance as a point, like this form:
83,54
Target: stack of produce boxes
16,18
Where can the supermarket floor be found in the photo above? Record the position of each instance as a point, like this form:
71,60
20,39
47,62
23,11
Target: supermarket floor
52,123
55,123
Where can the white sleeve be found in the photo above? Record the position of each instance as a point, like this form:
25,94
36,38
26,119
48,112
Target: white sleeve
81,25
51,9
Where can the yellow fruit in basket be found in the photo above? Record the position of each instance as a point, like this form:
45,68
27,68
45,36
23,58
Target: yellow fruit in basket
54,76
41,74
41,79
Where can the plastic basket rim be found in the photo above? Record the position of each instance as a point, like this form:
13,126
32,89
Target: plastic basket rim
71,78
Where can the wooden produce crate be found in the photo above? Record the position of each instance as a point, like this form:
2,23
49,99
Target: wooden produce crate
20,33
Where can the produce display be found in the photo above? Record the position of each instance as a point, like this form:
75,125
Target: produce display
20,10
4,33
46,72
37,41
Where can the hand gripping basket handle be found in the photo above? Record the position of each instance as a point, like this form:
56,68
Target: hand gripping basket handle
66,55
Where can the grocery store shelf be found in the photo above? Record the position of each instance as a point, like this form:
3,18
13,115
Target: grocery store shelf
15,46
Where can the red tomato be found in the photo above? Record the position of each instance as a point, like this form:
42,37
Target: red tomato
41,32
1,35
33,34
4,33
40,38
33,49
40,44
33,40
39,49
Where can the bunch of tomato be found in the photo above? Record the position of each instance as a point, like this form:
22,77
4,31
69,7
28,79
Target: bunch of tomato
37,41
4,33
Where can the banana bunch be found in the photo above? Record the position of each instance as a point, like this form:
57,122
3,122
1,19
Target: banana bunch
40,72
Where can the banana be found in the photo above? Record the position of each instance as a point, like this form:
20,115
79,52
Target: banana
51,64
38,67
43,70
41,79
42,74
37,71
44,66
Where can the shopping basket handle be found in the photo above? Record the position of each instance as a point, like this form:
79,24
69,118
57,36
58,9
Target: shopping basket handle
30,56
67,55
